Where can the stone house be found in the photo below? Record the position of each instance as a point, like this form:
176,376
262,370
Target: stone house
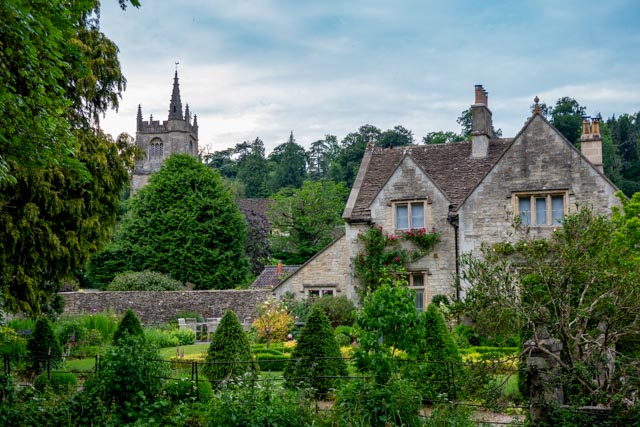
468,192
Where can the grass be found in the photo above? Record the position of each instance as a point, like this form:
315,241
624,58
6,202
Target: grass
80,365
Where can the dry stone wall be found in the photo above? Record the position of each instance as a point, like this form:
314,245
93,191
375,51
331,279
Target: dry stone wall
161,307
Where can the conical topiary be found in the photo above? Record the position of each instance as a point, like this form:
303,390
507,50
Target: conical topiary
44,347
316,360
129,326
229,354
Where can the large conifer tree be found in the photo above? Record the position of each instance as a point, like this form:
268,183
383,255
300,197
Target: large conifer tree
185,224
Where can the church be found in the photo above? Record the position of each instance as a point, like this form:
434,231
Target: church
157,141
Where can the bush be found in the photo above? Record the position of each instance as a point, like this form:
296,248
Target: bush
131,375
366,403
339,310
43,346
440,356
11,343
144,281
316,360
229,354
274,322
171,338
343,340
185,390
129,326
271,362
60,382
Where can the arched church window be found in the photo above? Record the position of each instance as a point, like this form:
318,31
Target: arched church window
156,149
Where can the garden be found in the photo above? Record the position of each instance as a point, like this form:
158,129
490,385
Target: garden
308,362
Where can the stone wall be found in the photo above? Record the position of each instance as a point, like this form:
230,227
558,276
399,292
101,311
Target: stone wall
161,307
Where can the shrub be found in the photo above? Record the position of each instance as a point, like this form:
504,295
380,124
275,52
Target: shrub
130,376
340,310
144,281
11,343
440,299
271,362
43,346
185,390
128,326
440,356
60,382
229,354
274,322
366,403
343,340
316,360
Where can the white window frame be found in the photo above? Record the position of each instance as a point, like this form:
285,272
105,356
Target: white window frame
409,204
410,276
548,196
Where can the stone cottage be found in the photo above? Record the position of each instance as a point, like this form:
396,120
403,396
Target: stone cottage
468,192
157,141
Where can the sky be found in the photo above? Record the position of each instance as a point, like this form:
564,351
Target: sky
267,68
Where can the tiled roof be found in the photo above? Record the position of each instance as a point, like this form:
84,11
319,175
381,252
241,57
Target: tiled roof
449,166
270,278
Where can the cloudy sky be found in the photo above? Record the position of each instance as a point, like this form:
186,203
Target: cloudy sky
265,68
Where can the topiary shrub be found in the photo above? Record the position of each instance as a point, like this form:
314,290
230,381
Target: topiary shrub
340,310
440,357
185,390
144,281
229,354
60,382
129,326
316,360
43,346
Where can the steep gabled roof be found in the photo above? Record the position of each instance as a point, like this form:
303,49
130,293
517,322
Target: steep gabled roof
449,166
270,278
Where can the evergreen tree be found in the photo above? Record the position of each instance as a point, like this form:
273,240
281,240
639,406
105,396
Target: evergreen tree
43,346
316,360
290,161
253,171
440,355
183,223
229,354
128,327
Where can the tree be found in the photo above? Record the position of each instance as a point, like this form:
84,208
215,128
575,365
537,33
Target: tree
345,166
253,170
273,322
184,224
128,327
223,162
580,286
306,219
44,348
396,137
60,177
320,155
442,137
290,164
316,361
229,354
566,116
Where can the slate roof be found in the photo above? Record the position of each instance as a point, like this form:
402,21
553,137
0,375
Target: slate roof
269,278
449,166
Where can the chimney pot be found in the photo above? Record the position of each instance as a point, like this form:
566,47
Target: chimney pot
279,267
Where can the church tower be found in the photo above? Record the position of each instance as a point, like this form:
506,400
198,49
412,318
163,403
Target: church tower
177,134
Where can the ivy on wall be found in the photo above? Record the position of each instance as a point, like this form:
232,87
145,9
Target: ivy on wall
383,253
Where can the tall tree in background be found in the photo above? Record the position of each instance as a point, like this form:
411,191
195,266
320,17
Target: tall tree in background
320,155
253,170
396,137
625,133
441,137
60,177
223,162
346,164
566,116
305,220
185,224
290,163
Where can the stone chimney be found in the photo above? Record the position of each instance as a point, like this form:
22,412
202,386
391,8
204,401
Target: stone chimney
591,142
481,124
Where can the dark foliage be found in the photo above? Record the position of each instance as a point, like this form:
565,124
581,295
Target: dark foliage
44,348
129,326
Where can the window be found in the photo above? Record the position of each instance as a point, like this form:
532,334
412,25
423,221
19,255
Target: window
541,208
156,149
320,292
416,282
409,215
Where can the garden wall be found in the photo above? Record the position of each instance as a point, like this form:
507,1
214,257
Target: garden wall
161,307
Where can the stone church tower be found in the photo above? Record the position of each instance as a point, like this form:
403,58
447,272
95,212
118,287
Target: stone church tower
157,141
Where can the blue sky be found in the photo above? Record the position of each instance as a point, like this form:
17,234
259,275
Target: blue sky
265,68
